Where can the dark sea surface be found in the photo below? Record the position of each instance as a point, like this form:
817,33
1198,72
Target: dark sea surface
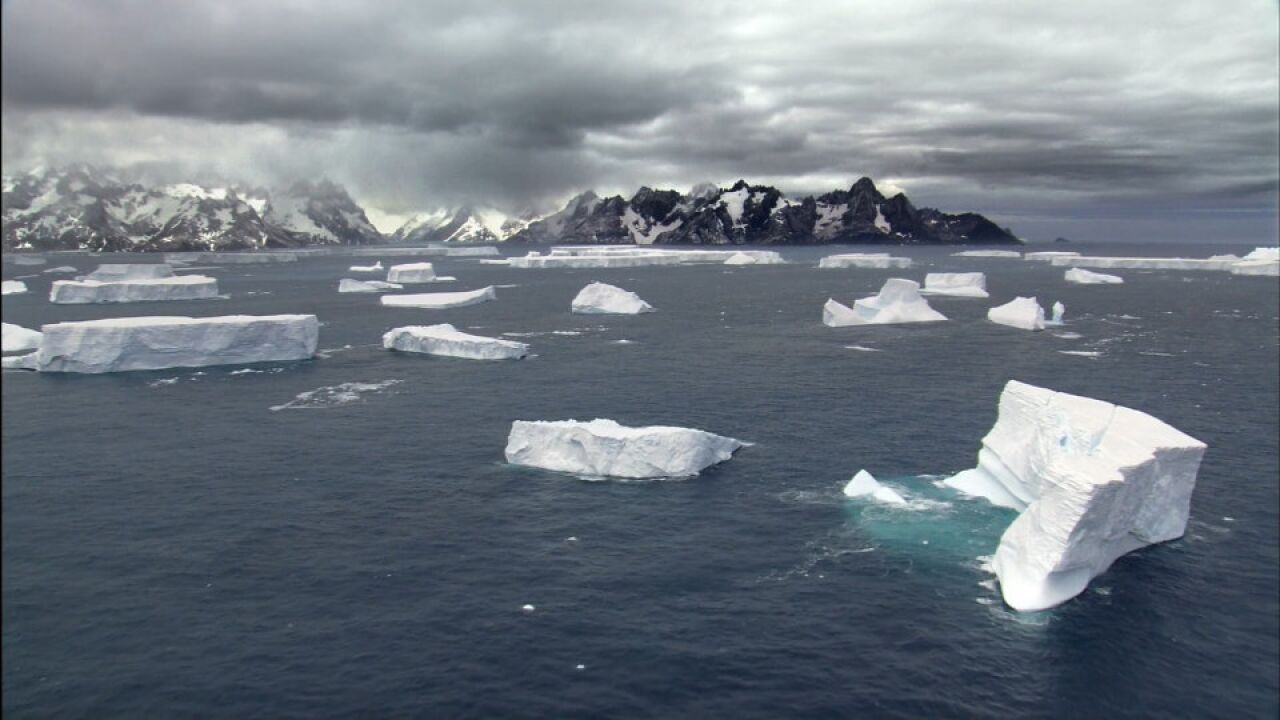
173,547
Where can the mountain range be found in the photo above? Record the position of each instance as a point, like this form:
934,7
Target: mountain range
80,207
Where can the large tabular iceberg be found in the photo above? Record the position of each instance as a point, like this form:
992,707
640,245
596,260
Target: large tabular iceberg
1092,480
988,254
347,285
1256,267
970,284
899,301
376,267
1023,312
1080,276
15,338
117,272
603,448
441,301
232,258
601,298
880,261
184,287
865,485
12,287
445,339
155,343
1222,263
1048,255
412,273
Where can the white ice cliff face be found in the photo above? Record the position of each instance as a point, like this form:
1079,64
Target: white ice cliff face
347,285
601,298
865,485
448,341
117,272
179,287
15,338
878,261
970,284
1023,313
1092,481
899,301
1257,267
1080,276
603,448
441,301
412,273
155,343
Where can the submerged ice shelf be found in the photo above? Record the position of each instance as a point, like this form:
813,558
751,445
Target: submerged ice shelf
603,448
1092,481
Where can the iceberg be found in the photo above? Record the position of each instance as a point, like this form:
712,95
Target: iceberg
1080,276
899,301
1256,267
156,343
446,340
183,287
441,301
970,284
600,298
1271,254
1092,481
347,285
865,485
988,254
20,362
755,257
1222,263
15,338
242,258
603,448
376,267
863,260
740,259
1022,312
60,270
412,273
1059,313
116,272
536,261
12,287
1048,255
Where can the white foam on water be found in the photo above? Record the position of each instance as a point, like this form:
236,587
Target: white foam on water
334,395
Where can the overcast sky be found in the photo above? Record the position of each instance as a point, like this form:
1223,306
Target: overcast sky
1093,119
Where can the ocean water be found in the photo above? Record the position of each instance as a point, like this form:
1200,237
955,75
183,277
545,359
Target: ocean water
341,537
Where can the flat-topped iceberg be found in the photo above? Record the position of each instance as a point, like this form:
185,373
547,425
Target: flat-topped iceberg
755,257
376,267
880,261
347,285
446,340
1080,276
600,298
20,362
12,287
988,254
155,343
60,270
412,273
603,448
181,287
1022,312
898,301
865,485
970,284
441,301
1221,263
117,272
1048,255
15,338
1256,267
1092,481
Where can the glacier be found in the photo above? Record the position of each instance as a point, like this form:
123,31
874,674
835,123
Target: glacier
1022,312
156,343
970,284
117,272
184,287
1080,276
347,285
441,301
1091,480
604,448
864,484
446,340
601,298
15,338
12,287
899,301
880,261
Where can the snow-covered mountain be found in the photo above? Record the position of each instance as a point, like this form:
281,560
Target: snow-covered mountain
759,214
462,225
80,207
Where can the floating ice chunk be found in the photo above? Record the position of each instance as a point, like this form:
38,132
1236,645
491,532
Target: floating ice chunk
1271,254
446,340
988,254
178,287
1082,353
1081,276
499,261
12,287
1092,480
865,485
863,260
412,273
603,448
740,259
1256,267
376,267
899,301
1147,263
60,270
15,338
1047,256
1059,311
755,257
601,298
20,362
347,285
1022,312
154,343
527,608
441,301
116,272
970,284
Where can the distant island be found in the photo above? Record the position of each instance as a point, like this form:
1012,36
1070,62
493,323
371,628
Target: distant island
82,208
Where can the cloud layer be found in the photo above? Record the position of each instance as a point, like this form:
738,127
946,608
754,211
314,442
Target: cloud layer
981,105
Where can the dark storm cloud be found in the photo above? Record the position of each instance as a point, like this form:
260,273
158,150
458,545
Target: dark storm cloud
420,104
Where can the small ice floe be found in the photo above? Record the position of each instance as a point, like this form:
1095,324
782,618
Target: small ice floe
440,301
1080,276
862,348
376,267
865,485
162,382
1082,353
1068,335
61,270
527,608
12,287
1023,313
623,341
334,395
602,298
347,285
